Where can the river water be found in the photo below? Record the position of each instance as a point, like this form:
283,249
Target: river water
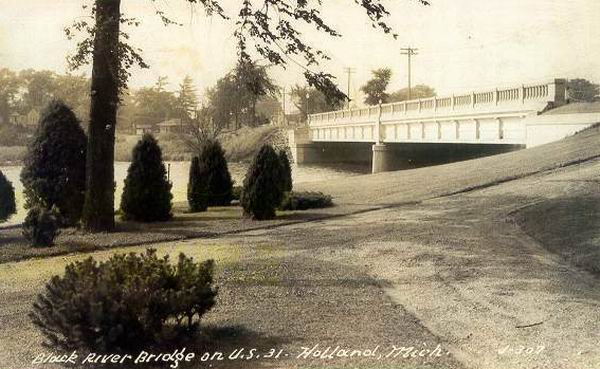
178,174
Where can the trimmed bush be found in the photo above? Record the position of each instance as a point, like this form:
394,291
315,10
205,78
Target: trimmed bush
41,226
147,192
7,199
286,172
126,303
236,193
197,191
54,168
213,167
305,201
262,191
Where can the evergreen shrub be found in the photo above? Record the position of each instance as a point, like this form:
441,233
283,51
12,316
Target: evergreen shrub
213,167
262,192
8,207
54,168
126,303
147,192
197,191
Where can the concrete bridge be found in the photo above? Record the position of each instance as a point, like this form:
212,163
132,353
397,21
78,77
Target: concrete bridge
443,129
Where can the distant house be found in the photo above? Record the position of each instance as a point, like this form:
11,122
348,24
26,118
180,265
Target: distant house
26,120
141,129
170,126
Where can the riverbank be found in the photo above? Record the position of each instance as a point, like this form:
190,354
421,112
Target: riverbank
240,145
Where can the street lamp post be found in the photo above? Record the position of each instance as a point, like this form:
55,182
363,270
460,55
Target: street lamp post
307,107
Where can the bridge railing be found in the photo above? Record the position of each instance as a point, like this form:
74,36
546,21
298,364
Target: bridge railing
525,97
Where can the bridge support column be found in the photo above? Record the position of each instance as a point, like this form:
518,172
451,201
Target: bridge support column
382,159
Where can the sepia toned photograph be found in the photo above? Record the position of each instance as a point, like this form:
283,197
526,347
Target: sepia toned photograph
299,184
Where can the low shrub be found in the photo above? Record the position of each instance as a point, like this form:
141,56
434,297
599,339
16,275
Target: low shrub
41,226
147,192
126,303
305,201
236,193
7,199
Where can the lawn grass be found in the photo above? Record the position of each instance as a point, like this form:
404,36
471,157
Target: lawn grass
214,223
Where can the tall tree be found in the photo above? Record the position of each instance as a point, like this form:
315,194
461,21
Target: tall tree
253,83
375,88
9,90
40,88
187,99
583,90
416,92
155,104
310,101
236,95
272,25
98,210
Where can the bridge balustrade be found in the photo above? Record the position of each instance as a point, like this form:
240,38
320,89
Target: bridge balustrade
489,115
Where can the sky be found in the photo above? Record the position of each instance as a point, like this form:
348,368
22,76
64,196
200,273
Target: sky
463,45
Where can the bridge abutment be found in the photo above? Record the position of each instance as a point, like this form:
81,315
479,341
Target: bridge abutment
307,153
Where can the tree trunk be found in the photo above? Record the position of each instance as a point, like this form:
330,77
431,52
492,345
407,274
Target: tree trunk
98,212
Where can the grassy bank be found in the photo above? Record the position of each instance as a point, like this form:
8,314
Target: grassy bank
240,145
568,227
12,155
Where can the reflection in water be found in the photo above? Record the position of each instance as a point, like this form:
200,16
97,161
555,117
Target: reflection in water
179,177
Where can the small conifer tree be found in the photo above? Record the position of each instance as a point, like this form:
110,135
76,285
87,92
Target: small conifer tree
262,191
7,199
197,191
213,167
147,192
54,170
286,172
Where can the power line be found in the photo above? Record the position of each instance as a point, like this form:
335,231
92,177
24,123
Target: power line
409,51
349,71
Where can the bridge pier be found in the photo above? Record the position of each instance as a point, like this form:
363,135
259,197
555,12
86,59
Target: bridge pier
381,160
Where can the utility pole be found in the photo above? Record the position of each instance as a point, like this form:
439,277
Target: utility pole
283,95
349,71
409,51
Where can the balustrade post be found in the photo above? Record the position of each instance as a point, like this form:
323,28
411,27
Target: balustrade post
473,99
557,91
522,94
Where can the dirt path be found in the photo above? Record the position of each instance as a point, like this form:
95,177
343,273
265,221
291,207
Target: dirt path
472,277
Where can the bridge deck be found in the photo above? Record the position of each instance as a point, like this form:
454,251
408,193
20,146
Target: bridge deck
493,116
